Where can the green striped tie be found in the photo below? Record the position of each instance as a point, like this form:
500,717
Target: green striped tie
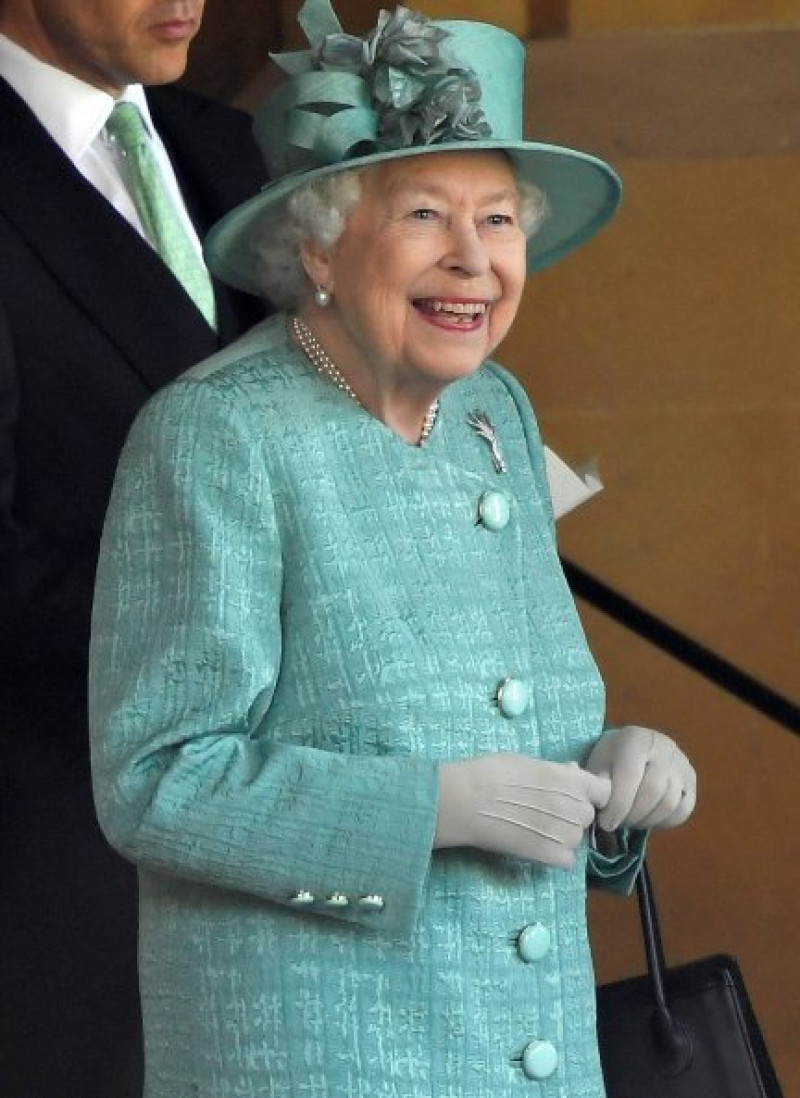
160,220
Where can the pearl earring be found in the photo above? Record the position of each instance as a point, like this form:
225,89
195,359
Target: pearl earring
322,297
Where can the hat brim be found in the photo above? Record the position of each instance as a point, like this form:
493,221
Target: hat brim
583,193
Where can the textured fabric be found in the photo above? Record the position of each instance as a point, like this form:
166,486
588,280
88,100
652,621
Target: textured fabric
159,217
297,616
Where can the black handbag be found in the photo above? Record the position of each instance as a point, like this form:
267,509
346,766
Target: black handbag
683,1032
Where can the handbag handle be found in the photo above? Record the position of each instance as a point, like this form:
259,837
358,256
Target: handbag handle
671,1037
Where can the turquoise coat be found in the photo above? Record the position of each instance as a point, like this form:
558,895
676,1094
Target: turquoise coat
298,615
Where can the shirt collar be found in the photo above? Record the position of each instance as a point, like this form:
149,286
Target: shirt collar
72,111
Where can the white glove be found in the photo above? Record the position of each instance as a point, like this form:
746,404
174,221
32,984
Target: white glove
519,806
653,784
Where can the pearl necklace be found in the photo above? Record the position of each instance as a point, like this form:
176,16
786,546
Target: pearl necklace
325,366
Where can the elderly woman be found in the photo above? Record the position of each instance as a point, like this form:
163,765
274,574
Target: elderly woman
344,716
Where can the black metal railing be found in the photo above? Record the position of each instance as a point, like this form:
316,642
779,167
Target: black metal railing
689,652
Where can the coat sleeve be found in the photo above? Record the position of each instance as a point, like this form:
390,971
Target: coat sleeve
186,651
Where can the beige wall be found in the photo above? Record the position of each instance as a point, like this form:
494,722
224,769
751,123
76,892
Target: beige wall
667,349
600,15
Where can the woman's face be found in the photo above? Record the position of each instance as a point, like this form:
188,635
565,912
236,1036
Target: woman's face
428,273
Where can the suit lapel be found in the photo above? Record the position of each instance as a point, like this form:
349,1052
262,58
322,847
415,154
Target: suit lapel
93,253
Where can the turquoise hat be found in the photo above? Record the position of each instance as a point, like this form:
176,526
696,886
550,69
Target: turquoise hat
410,87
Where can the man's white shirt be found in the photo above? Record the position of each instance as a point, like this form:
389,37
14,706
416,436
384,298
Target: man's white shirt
75,113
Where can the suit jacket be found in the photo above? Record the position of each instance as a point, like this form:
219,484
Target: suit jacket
297,616
91,323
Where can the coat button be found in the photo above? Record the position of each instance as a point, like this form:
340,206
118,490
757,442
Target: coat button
337,900
533,943
539,1060
373,902
512,697
494,510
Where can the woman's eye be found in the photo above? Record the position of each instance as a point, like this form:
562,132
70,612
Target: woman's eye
500,219
424,214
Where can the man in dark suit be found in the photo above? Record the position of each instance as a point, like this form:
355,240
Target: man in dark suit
91,322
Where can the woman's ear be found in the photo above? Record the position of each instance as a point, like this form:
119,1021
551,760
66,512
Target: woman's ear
316,262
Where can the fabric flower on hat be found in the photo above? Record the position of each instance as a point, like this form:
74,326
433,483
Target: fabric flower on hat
405,40
446,109
420,95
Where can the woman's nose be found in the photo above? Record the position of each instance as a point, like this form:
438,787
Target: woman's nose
467,251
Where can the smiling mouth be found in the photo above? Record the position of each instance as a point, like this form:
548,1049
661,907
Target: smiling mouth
460,313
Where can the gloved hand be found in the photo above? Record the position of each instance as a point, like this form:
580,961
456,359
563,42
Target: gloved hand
653,784
519,806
